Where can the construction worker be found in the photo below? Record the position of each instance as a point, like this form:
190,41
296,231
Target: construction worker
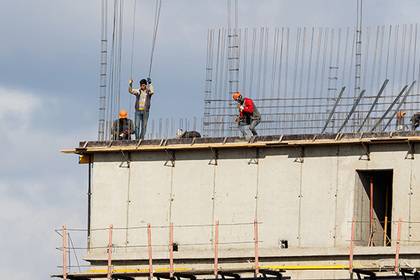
248,114
142,106
123,127
415,121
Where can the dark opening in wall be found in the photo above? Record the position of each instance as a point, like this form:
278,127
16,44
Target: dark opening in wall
373,207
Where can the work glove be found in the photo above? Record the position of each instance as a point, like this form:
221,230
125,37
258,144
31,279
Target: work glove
149,81
130,82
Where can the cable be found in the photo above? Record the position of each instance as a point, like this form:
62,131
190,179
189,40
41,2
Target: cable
133,38
155,32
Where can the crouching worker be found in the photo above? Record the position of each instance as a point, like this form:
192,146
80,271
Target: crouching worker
123,127
248,114
415,121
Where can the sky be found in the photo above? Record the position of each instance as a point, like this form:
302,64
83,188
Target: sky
49,68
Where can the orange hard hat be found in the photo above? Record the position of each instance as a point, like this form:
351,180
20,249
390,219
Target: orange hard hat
123,114
236,95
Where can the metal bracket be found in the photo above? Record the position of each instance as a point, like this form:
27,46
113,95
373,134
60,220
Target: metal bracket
177,276
257,156
275,273
410,271
366,155
139,143
215,152
86,144
411,150
126,162
122,277
252,139
229,275
171,158
163,142
301,153
371,274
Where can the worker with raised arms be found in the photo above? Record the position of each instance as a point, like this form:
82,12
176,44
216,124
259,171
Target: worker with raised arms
143,96
248,114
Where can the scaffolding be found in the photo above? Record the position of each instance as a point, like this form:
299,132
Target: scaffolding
302,79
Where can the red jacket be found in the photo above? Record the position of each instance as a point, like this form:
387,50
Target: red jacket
248,107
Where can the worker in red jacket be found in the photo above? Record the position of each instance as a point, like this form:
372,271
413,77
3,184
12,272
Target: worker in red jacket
248,114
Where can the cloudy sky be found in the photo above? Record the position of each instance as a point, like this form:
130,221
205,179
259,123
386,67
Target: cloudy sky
49,55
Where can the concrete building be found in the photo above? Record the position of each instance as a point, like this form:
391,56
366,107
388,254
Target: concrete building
304,204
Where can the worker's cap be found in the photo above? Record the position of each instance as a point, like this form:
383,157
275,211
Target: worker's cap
123,114
236,95
143,82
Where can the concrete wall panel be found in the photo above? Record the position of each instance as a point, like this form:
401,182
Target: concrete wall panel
192,200
235,196
109,199
318,188
278,197
150,193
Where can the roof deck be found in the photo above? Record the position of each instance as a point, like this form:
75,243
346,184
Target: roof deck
86,147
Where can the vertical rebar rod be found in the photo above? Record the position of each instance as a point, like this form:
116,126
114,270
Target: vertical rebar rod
149,250
216,248
109,266
397,248
65,248
256,248
171,250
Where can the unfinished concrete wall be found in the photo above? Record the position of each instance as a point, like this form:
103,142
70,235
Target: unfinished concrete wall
305,195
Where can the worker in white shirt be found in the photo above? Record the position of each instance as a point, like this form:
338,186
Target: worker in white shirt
142,106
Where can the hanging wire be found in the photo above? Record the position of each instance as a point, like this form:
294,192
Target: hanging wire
133,38
158,7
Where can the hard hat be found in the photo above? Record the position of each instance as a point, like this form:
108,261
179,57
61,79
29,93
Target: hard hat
123,114
236,95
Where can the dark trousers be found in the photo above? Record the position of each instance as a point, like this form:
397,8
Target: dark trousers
252,124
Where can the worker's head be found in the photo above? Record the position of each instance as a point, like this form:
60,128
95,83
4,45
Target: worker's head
237,96
123,114
143,84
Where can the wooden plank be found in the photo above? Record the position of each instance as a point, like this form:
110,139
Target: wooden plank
265,144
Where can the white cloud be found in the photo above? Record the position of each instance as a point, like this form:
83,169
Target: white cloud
17,107
40,188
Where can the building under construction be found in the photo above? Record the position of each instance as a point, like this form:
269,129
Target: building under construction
313,207
330,190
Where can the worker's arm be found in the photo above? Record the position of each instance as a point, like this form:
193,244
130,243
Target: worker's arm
132,90
151,90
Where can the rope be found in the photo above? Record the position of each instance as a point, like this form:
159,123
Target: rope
155,31
133,38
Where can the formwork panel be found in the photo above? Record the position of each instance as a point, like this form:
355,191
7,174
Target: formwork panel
350,159
394,157
150,193
278,197
192,200
235,197
414,230
318,188
108,201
